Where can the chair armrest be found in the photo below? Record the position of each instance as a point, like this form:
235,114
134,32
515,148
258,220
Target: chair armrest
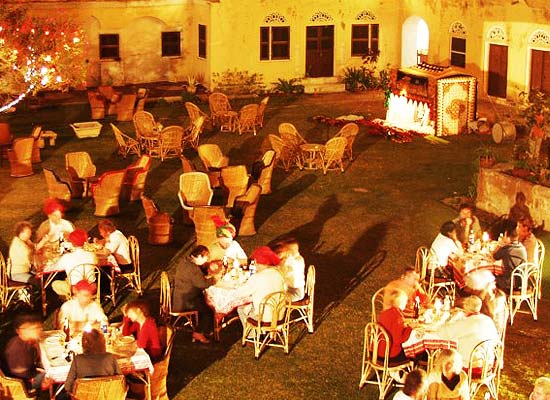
184,205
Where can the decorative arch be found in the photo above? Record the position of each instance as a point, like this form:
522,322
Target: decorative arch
458,29
365,15
275,18
321,16
540,38
497,35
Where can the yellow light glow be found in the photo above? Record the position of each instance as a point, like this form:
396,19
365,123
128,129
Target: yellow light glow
485,237
76,40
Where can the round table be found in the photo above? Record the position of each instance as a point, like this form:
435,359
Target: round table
312,155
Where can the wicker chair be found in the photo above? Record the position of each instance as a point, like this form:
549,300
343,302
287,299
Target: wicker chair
524,288
172,318
213,161
247,204
97,104
125,107
235,178
147,132
14,389
57,189
193,132
160,372
160,224
246,121
541,251
349,131
100,388
272,326
126,144
195,112
423,255
142,95
220,111
90,273
305,306
205,229
36,135
170,145
377,304
20,157
194,190
6,140
80,168
289,131
264,180
107,193
484,367
130,279
285,154
11,291
135,175
261,112
334,152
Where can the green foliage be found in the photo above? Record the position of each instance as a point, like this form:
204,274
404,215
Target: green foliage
367,76
534,104
234,82
287,86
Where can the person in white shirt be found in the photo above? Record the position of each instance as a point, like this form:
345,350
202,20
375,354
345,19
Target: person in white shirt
82,309
292,267
541,391
21,253
415,386
265,281
55,227
445,246
70,261
116,243
225,244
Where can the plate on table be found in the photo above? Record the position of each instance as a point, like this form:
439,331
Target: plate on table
126,340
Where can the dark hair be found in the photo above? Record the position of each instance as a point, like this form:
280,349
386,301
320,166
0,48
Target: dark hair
447,227
468,206
278,247
200,250
20,226
414,381
106,225
23,319
510,228
140,305
93,342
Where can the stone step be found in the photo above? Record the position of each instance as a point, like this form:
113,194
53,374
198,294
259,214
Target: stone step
329,84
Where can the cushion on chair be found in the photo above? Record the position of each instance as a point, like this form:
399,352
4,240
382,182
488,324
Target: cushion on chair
265,324
301,303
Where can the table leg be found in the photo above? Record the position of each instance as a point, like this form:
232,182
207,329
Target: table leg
43,295
147,385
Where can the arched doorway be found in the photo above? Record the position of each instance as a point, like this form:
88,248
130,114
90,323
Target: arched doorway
415,40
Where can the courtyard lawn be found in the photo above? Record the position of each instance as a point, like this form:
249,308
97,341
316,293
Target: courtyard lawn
359,229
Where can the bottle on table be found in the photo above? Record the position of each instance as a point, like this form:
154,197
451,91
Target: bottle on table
252,267
67,330
416,307
471,239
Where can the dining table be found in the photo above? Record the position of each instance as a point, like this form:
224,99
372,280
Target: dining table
56,356
312,155
478,259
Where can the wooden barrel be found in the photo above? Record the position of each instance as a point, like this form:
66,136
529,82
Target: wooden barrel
504,132
160,229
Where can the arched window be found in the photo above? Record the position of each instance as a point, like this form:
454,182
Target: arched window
458,44
275,38
364,35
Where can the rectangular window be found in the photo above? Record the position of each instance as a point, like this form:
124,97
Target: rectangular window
364,39
274,43
540,71
109,46
171,44
458,52
202,41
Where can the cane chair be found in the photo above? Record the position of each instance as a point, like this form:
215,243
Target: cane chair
484,367
90,273
193,132
6,140
20,157
264,180
247,204
100,388
36,134
205,229
235,178
286,129
170,142
524,288
377,304
421,265
187,165
159,224
305,306
194,190
126,144
212,157
172,318
376,337
80,168
271,326
142,95
107,193
194,111
147,132
125,107
246,121
160,372
349,131
14,389
57,189
541,252
286,154
261,112
130,279
11,291
332,158
220,111
135,176
436,286
97,104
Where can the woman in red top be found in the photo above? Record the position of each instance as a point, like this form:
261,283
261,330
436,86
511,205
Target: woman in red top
392,320
137,322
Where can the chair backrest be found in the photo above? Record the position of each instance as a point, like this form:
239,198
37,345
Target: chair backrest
100,388
143,162
235,178
3,279
276,143
335,147
205,229
109,184
187,165
268,158
56,187
195,189
349,130
22,149
210,154
13,388
6,136
290,135
165,295
541,252
377,304
421,262
376,338
171,136
248,113
525,277
121,138
261,110
144,123
197,126
485,360
81,163
274,309
133,244
251,195
36,132
89,272
219,103
310,283
149,207
193,110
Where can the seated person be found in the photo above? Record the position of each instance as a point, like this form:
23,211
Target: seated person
55,227
116,243
82,309
70,261
448,381
189,284
528,239
225,244
22,355
393,321
409,282
541,391
94,360
467,223
142,326
494,303
414,387
292,267
471,330
512,253
21,253
446,246
519,210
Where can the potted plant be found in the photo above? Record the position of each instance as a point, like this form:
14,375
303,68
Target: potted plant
486,157
521,168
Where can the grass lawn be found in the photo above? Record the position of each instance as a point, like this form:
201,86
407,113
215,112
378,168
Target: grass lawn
359,229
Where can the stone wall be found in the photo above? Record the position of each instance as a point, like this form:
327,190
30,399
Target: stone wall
496,192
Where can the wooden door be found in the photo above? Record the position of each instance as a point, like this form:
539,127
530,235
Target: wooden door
498,70
320,51
540,71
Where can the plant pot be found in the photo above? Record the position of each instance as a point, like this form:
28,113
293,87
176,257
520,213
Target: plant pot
520,172
486,161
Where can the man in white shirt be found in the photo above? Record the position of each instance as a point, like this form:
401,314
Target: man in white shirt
445,246
55,227
116,243
82,309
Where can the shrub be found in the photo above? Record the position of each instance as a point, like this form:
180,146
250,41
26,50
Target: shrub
234,82
288,86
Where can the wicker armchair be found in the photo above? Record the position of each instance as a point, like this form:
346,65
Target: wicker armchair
305,307
170,145
286,154
11,291
246,121
334,153
125,107
131,279
160,372
97,104
20,157
349,131
14,389
100,388
220,112
264,180
142,95
261,112
57,189
195,112
213,161
36,135
80,168
193,132
205,229
245,206
147,132
290,134
235,178
135,175
6,140
126,144
190,318
107,193
160,224
194,190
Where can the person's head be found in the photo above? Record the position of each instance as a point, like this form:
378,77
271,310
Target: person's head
54,210
84,292
28,327
525,225
292,246
410,276
78,237
541,391
449,362
511,232
225,232
93,342
448,228
137,310
472,305
23,230
106,227
398,299
199,255
520,198
265,257
466,210
480,281
415,384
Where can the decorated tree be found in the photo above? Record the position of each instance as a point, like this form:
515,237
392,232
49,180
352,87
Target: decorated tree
37,53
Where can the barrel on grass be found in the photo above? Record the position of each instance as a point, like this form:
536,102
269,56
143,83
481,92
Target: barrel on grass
504,131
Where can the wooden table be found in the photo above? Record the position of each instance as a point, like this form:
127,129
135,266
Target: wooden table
312,155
